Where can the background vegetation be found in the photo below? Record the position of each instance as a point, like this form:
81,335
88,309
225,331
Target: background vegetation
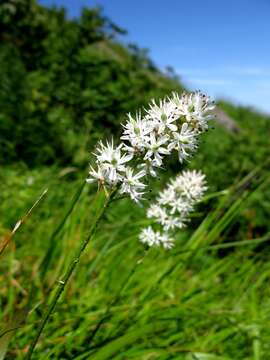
64,84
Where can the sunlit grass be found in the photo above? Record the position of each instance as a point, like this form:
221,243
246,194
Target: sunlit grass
205,299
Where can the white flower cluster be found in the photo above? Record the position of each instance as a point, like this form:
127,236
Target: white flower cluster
173,206
175,123
111,170
154,238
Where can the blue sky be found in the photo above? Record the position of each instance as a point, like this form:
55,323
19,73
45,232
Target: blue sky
221,47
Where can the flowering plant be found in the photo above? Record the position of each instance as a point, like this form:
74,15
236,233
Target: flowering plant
173,124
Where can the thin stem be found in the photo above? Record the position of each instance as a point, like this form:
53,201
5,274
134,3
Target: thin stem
8,237
48,256
62,283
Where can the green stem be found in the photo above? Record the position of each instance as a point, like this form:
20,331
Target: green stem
62,283
49,254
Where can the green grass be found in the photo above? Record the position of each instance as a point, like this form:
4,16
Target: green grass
206,299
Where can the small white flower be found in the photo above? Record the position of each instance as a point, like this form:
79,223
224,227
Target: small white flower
109,154
131,184
180,205
173,222
96,175
155,211
136,131
166,196
166,241
149,167
111,161
154,238
190,184
156,149
149,237
162,217
163,115
195,107
184,142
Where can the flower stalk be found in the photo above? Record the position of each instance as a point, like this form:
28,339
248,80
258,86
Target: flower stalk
173,124
72,266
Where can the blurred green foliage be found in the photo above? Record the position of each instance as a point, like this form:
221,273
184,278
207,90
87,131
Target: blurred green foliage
65,83
227,157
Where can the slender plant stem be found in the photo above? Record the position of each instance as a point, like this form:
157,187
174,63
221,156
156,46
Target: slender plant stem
47,258
8,237
62,283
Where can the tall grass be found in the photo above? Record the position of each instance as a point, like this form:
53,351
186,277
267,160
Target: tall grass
205,299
